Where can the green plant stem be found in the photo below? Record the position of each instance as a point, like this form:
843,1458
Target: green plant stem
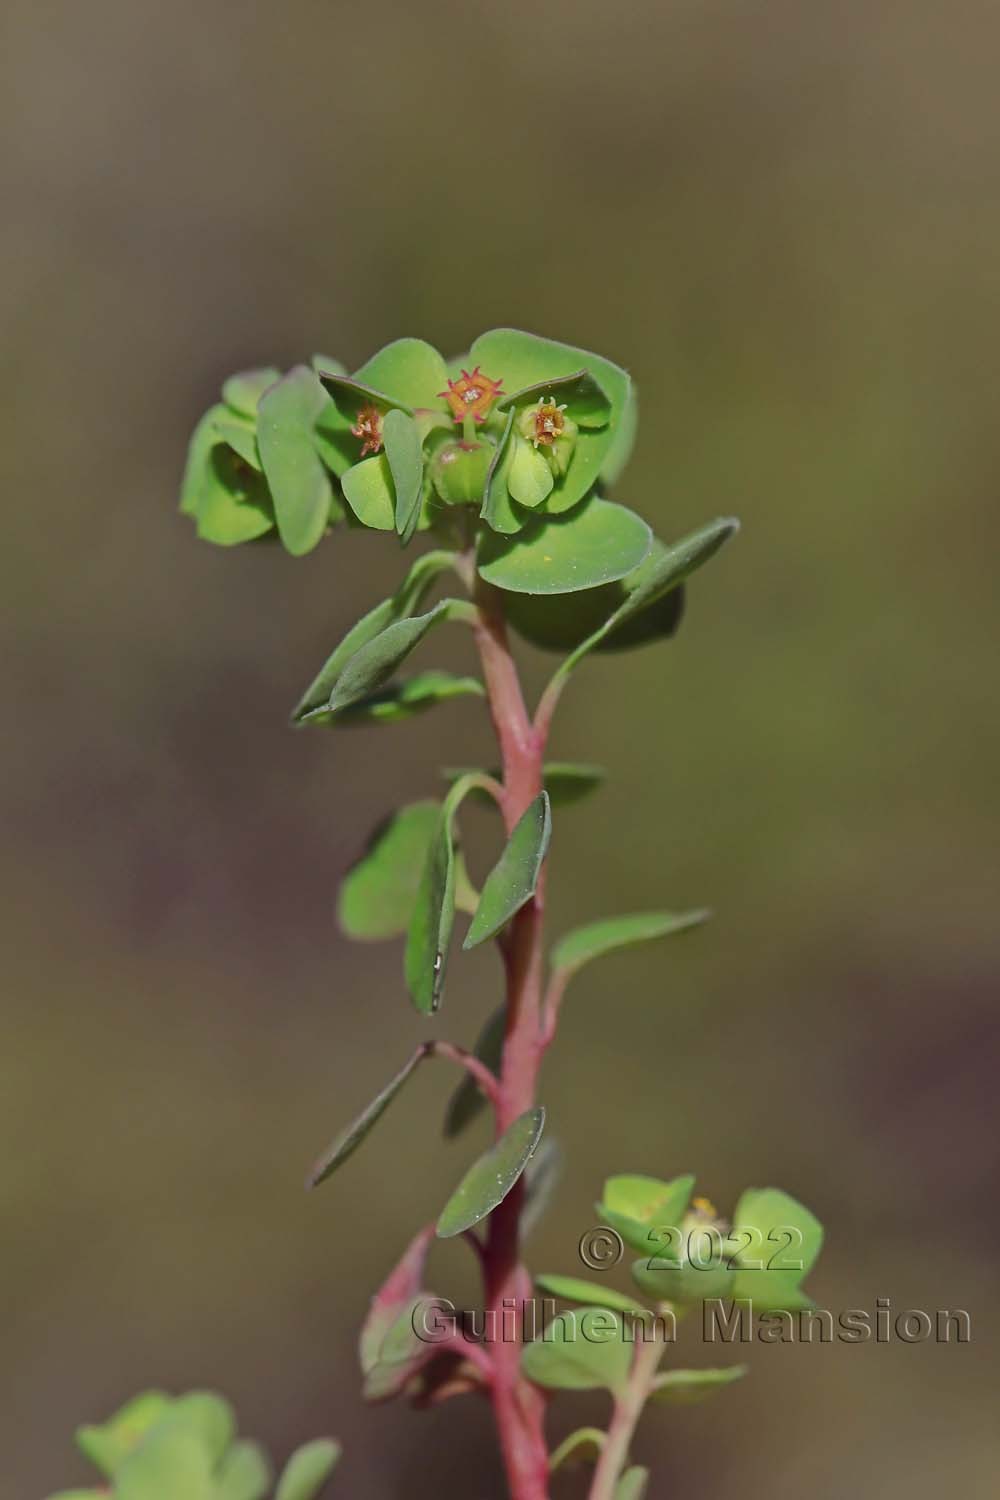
627,1411
518,1405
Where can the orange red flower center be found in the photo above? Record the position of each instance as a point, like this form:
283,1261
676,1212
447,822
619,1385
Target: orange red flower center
472,395
548,422
369,428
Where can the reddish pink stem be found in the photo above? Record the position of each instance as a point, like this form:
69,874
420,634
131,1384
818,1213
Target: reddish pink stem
477,1070
518,1405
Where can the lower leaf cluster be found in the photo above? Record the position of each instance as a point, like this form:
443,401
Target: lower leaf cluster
160,1447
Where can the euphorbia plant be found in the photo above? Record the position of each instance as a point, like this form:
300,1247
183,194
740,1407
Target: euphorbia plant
500,461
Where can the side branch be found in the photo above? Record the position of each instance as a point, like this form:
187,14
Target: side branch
486,1080
628,1410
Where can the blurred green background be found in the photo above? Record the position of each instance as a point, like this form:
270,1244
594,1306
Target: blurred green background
783,219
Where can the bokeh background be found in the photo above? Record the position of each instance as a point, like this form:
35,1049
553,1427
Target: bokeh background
783,218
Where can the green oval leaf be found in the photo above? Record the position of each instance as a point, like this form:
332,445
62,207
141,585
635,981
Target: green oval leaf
328,363
529,478
565,781
408,597
245,1474
228,502
585,399
597,938
373,663
576,1289
349,395
200,445
523,360
594,544
235,505
107,1445
581,1351
685,1387
490,1179
240,435
296,476
786,1238
637,1206
243,391
569,781
467,1100
348,1141
514,878
308,1470
410,372
369,491
406,460
632,1485
428,939
499,511
413,695
379,892
206,1417
684,1283
623,440
561,623
170,1461
585,1443
667,569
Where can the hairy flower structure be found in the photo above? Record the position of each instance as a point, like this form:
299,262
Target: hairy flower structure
543,423
369,427
473,395
550,431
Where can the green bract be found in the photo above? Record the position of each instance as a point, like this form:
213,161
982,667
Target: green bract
162,1447
638,1207
254,463
583,1350
690,1255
